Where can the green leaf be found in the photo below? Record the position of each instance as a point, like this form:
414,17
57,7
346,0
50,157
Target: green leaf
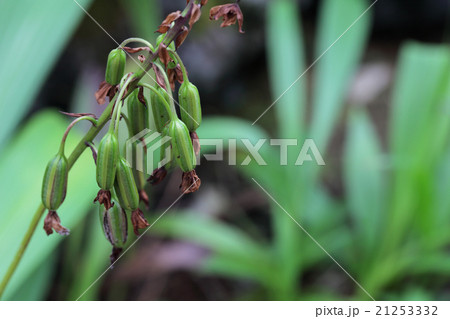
364,180
34,34
286,63
417,104
336,67
21,170
418,136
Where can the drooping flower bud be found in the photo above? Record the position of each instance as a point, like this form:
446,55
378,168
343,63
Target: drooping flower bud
125,186
115,227
115,67
160,115
54,184
137,112
190,108
54,188
128,195
107,159
182,148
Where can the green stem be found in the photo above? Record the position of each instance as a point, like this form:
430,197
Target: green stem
23,245
66,133
163,100
118,108
89,137
177,58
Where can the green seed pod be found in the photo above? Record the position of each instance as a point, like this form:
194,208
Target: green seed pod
107,159
115,68
160,115
190,108
114,223
125,186
137,113
54,185
182,149
160,38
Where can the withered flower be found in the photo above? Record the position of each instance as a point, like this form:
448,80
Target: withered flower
181,37
173,75
105,90
159,77
157,176
195,15
164,54
52,221
230,13
104,198
165,25
138,220
195,142
190,182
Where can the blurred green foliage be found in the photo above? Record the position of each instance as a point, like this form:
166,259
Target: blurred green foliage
390,227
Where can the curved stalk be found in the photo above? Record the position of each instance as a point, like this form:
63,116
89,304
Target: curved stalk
66,133
138,40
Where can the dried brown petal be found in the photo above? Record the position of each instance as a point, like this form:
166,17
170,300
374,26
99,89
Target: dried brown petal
102,92
175,74
157,176
79,114
141,58
139,221
159,77
195,15
190,182
105,90
230,13
135,50
195,142
204,2
104,198
165,25
142,99
51,222
164,54
181,37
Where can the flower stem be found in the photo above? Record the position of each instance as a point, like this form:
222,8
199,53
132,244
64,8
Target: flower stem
139,40
23,245
66,133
